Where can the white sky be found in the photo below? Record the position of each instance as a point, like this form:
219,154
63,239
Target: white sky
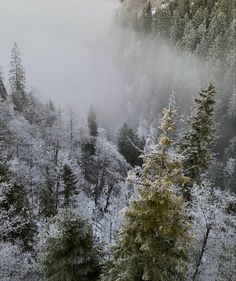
64,45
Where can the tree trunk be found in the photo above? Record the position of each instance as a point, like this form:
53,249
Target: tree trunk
202,252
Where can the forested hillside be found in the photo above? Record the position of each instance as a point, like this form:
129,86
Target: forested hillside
153,200
187,43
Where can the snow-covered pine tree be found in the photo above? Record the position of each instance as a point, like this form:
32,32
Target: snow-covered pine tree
17,224
70,251
184,8
17,79
195,143
153,242
162,20
3,92
16,265
212,254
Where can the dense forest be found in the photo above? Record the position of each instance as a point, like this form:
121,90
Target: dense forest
153,200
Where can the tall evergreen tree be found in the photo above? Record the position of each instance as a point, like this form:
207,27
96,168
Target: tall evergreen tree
198,4
72,254
92,122
69,186
147,18
3,92
127,140
162,21
196,142
89,145
48,196
17,79
153,242
184,8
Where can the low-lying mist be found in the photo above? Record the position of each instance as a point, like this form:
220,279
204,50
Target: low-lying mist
62,44
74,53
145,72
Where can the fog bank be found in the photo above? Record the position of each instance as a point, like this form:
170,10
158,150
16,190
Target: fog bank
74,54
63,44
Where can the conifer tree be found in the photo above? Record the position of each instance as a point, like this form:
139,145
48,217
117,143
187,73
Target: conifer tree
70,251
127,140
184,8
92,123
198,4
16,215
69,186
162,21
153,242
17,79
48,196
178,25
147,18
195,143
89,145
3,92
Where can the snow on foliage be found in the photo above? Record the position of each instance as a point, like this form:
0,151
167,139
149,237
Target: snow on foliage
16,265
214,226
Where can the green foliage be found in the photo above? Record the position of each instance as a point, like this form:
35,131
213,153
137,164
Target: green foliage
153,242
127,140
48,196
69,186
88,146
196,142
184,8
70,251
162,21
177,26
172,19
198,4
